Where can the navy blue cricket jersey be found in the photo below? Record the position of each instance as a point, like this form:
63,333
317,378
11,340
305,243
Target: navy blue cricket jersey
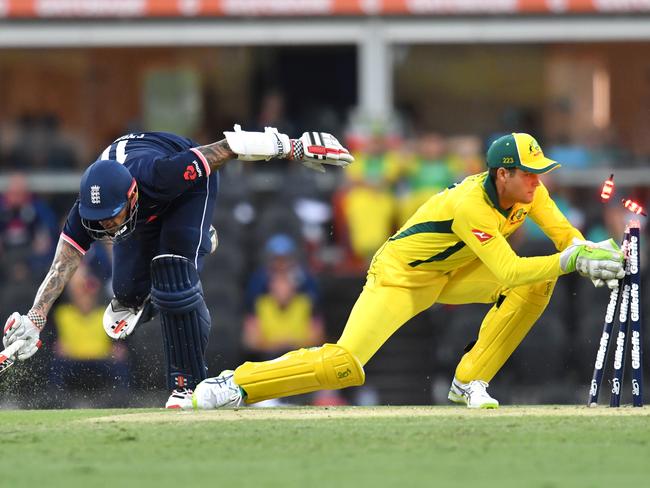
164,166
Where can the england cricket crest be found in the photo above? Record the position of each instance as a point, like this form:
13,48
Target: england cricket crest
95,196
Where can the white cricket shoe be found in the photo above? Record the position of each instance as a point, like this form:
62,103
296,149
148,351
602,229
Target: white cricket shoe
473,394
218,392
180,398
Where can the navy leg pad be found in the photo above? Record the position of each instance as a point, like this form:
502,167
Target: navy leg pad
177,293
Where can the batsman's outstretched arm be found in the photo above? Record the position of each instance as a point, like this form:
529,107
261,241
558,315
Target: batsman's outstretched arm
313,149
28,327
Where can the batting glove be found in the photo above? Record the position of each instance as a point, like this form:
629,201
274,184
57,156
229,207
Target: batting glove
314,149
22,327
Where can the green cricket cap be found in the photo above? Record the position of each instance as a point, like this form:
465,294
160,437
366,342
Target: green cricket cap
519,150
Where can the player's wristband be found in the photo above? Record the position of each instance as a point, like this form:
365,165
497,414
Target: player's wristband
37,319
297,150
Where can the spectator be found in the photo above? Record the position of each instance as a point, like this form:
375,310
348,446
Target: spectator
28,227
19,286
467,155
84,356
282,303
365,208
429,172
272,114
40,144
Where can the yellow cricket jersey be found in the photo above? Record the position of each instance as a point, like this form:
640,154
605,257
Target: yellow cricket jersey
81,336
464,223
280,325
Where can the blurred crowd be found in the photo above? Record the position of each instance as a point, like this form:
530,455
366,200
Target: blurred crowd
291,261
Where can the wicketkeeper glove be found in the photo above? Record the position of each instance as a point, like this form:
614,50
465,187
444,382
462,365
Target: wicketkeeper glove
22,327
313,149
602,262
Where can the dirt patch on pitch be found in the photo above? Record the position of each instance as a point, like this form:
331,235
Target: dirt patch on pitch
309,413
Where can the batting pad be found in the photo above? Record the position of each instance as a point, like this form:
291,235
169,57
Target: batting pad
503,329
176,291
329,367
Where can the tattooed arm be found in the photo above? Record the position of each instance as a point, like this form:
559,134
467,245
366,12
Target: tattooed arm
66,261
217,154
28,328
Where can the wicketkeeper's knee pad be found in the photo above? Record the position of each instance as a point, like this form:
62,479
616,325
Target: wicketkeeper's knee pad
503,329
177,293
329,367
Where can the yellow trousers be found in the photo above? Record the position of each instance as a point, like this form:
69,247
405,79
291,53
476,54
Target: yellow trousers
388,301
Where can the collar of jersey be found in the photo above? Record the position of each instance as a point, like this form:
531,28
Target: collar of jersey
491,191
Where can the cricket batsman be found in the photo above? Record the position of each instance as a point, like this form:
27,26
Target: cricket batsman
453,250
153,195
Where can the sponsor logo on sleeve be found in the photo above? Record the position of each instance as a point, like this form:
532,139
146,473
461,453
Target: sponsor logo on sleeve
192,171
482,236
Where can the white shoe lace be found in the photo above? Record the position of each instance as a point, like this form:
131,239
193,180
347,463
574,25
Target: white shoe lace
477,386
181,393
223,391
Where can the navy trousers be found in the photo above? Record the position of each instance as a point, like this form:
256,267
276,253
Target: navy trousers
181,228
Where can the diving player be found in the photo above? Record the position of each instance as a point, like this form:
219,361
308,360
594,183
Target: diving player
453,250
153,194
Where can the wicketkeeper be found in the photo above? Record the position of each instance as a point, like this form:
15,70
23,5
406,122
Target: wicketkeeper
453,250
153,195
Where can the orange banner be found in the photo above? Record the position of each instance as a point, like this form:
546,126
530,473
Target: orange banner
289,8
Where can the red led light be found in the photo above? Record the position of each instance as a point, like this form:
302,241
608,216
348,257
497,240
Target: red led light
634,207
608,189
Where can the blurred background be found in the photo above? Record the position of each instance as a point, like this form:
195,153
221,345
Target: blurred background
416,88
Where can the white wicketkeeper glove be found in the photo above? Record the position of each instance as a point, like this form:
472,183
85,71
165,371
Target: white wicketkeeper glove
313,149
601,262
21,327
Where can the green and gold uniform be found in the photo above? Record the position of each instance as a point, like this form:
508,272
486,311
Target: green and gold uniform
453,250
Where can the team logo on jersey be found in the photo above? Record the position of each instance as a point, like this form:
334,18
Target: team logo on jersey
482,236
518,215
95,197
190,173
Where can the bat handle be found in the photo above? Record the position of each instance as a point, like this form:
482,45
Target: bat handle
10,351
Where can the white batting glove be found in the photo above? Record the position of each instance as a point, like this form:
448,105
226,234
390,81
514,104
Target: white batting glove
21,327
314,149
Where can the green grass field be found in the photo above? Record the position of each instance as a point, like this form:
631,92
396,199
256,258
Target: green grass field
327,447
